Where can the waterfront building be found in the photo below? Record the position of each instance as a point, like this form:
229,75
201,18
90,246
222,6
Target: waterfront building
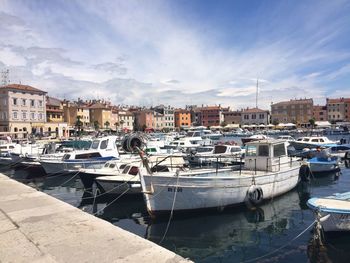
255,116
338,109
22,109
158,121
126,120
54,116
144,119
298,111
211,116
233,117
100,113
72,111
182,118
319,113
168,116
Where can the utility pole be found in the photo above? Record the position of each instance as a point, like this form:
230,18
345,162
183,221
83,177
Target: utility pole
5,77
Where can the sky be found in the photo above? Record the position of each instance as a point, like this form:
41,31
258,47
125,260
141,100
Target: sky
179,52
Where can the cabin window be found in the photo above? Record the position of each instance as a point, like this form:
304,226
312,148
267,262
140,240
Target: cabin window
134,170
234,150
220,149
112,165
306,139
106,164
126,169
182,143
122,166
95,144
66,156
87,155
321,140
104,144
314,140
263,150
279,150
251,150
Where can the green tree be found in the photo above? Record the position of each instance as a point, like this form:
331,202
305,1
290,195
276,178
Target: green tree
96,125
116,124
107,124
121,123
78,124
312,122
223,124
275,122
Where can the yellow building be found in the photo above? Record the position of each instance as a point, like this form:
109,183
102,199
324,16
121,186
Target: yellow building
101,114
74,110
55,125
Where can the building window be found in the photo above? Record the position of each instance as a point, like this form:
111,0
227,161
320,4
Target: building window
253,116
39,116
32,103
24,115
14,100
32,116
24,102
40,103
14,114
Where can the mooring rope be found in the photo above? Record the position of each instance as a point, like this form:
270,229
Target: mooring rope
172,209
278,249
112,202
114,188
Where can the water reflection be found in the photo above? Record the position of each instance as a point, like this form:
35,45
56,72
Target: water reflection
230,232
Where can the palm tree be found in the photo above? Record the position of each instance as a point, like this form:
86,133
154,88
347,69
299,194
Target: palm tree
116,124
96,125
107,124
121,123
78,124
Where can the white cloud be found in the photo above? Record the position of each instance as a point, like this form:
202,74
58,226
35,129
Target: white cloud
10,58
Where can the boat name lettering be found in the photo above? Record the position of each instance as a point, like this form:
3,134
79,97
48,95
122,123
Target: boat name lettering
173,189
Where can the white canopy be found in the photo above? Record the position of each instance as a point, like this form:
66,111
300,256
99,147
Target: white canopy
323,124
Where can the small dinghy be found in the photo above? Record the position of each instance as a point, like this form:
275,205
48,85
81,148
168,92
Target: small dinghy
334,211
324,165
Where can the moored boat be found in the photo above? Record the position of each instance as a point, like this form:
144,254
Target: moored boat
268,172
334,211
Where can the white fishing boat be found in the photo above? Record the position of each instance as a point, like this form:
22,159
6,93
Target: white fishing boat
100,151
311,142
117,172
333,212
268,172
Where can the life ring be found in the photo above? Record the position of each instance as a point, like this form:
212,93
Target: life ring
304,173
255,194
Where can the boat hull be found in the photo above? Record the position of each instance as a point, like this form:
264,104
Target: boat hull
119,187
210,192
60,166
335,211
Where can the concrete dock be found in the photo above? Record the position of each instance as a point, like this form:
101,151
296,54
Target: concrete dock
35,227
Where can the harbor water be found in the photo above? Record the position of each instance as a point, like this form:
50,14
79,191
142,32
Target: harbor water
269,233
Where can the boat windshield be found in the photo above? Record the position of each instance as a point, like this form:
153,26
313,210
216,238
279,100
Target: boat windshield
95,144
279,150
134,170
251,150
220,149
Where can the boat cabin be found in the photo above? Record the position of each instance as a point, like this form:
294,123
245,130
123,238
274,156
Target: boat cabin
266,155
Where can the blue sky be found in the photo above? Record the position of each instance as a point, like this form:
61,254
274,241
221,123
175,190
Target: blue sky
179,52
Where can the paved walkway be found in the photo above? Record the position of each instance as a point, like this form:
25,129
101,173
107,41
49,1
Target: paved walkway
35,227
